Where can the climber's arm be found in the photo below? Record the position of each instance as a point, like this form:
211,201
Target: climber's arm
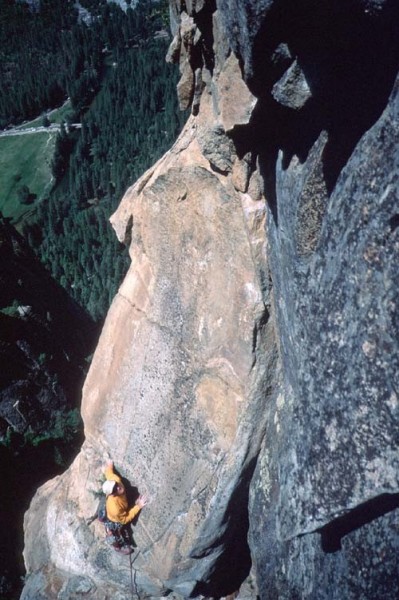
132,514
109,472
134,511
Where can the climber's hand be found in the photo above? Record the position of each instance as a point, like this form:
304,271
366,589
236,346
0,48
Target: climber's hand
142,501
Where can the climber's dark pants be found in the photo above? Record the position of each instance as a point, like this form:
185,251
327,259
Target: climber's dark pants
117,534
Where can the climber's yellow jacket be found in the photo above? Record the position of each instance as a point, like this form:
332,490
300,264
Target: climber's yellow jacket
117,506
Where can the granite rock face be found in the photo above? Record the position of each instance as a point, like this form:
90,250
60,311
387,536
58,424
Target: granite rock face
247,373
177,386
332,495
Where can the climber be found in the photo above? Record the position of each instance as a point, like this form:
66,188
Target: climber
118,513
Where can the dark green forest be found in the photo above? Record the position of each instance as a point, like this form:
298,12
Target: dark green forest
111,65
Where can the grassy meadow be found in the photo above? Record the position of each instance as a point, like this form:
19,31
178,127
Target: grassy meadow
24,160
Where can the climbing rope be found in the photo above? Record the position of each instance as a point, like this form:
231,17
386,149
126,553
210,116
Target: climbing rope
133,584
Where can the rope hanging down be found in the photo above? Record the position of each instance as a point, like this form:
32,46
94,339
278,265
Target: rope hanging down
133,584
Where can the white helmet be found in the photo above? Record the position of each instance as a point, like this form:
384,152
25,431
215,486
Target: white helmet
108,486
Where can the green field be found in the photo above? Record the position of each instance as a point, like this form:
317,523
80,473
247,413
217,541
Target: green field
24,160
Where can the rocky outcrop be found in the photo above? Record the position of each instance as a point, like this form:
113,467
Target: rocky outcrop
246,375
176,389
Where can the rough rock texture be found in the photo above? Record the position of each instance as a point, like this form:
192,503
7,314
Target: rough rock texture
246,376
177,386
332,467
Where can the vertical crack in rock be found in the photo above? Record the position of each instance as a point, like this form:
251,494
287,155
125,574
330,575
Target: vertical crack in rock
128,233
233,564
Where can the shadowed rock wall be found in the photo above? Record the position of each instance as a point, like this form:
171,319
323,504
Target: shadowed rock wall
246,376
333,460
325,494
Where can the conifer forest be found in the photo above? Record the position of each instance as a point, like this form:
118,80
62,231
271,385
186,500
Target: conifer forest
108,65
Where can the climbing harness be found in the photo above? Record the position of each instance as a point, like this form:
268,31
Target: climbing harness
100,514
